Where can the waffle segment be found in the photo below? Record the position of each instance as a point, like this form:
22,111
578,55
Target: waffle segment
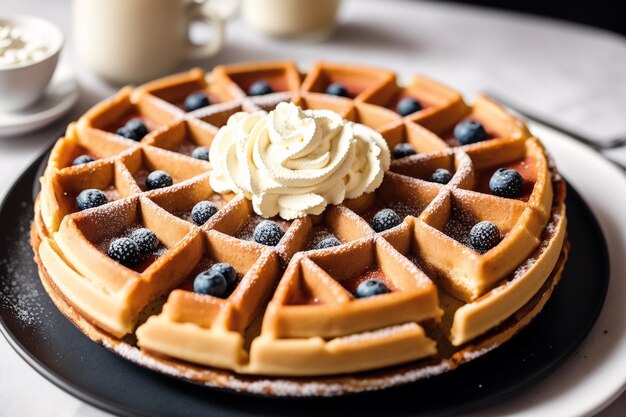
328,280
206,329
83,241
476,318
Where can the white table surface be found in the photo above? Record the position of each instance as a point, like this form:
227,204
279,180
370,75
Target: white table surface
569,73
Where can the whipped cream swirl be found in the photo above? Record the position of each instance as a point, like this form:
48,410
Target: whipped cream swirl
293,162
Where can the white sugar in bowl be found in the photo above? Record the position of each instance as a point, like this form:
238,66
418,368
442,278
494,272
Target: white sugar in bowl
29,51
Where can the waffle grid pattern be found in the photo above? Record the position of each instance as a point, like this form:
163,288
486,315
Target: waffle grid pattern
292,302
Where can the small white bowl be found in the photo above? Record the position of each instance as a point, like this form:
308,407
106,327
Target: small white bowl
22,84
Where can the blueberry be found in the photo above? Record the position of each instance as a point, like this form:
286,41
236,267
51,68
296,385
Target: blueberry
124,251
202,212
506,182
227,271
134,129
90,198
329,242
441,176
82,159
403,149
385,219
195,101
407,106
128,134
484,236
210,282
337,89
138,126
158,179
371,287
260,88
268,233
201,152
469,131
145,239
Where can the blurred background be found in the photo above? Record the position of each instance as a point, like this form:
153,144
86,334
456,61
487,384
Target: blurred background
605,14
546,56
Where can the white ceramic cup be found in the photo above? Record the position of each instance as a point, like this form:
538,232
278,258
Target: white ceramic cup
131,41
301,19
23,84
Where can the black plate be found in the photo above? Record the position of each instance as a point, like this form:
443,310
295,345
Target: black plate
57,350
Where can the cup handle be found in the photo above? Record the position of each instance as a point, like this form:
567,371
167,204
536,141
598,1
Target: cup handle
216,22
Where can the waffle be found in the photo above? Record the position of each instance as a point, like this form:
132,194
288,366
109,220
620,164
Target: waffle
293,311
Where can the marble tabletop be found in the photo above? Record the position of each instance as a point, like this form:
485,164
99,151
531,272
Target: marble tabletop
570,74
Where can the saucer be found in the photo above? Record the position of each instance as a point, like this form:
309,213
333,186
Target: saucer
59,98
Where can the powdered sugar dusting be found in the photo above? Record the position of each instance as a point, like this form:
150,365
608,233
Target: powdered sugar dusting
470,355
436,205
135,355
463,170
20,289
111,193
103,245
247,230
459,225
318,234
403,209
140,178
187,147
278,386
269,101
286,388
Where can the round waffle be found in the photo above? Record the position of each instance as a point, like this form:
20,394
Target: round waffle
293,312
